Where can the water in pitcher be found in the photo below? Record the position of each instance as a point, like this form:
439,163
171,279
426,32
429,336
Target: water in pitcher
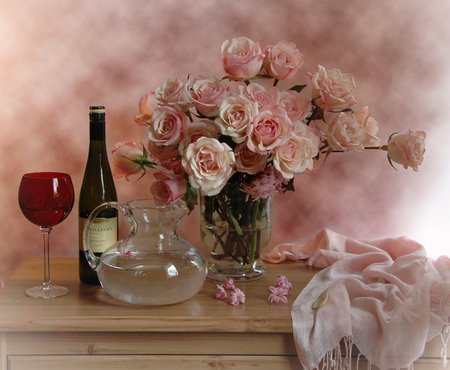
151,278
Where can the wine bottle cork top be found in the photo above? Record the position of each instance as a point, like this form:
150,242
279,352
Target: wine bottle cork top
97,109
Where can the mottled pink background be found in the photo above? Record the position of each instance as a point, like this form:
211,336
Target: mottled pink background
59,57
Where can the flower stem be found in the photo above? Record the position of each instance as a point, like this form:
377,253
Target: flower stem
374,147
233,219
233,239
254,231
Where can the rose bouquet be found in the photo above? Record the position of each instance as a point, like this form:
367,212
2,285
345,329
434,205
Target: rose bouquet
236,141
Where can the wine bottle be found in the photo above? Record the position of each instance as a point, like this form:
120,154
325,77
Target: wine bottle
97,188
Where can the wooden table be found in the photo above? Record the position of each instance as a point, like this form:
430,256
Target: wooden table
88,329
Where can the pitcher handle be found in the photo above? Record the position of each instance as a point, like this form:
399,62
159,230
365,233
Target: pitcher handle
93,260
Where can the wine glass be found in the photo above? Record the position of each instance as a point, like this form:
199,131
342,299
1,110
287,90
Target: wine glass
46,199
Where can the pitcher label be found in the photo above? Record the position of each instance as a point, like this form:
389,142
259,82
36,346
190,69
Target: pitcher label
102,234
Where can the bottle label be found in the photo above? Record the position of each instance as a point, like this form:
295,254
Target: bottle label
102,234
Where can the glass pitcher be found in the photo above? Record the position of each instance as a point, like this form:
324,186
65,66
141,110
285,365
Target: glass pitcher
152,265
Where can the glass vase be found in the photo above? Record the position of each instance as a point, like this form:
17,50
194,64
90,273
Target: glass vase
235,229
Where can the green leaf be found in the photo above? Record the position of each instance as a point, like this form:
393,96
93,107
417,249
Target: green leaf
144,162
290,185
227,140
390,162
329,151
316,114
264,64
341,111
298,88
190,197
235,222
200,115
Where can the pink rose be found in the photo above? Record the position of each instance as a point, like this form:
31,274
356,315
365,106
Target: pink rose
345,133
296,106
235,116
260,94
407,148
297,154
174,165
196,130
147,104
207,93
209,164
248,161
332,90
271,128
283,60
162,153
242,58
363,118
167,156
174,93
168,188
127,160
167,125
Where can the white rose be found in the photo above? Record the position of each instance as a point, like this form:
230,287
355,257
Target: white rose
363,118
283,60
332,90
249,161
296,156
242,58
208,93
209,164
296,106
196,130
345,133
407,148
166,126
260,94
174,93
271,128
236,114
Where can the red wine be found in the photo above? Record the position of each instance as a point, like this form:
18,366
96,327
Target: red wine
46,198
41,216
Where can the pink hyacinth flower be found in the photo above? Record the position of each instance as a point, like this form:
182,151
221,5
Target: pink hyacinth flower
222,294
268,183
278,294
284,283
236,297
229,284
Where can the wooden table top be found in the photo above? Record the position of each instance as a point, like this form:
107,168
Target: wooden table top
90,308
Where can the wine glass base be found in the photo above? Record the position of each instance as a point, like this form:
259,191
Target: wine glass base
46,292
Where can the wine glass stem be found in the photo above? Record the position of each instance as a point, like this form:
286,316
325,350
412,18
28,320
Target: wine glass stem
46,234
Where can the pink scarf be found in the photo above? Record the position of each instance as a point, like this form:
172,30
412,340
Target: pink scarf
385,297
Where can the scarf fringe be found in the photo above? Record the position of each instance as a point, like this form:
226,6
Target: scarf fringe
445,336
335,359
338,359
439,305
